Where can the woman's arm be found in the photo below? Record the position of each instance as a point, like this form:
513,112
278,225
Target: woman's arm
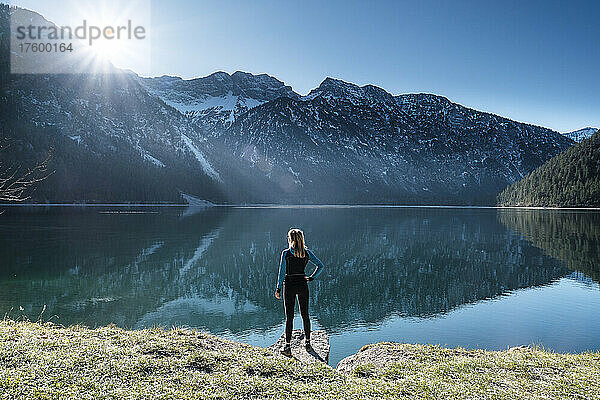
281,271
315,260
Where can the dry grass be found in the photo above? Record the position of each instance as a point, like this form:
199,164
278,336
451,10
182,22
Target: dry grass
43,361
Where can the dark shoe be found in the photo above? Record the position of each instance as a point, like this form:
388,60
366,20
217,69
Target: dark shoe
308,347
287,351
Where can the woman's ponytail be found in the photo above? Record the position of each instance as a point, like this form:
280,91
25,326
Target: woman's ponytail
296,239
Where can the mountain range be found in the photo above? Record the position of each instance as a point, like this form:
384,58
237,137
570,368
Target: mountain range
245,138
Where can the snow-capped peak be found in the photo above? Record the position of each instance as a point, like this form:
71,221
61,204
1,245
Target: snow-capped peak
217,99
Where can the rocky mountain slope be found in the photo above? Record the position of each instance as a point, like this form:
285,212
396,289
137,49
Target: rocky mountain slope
350,143
112,139
581,134
250,138
215,101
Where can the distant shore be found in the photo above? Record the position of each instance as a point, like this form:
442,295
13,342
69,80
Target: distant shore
40,360
291,206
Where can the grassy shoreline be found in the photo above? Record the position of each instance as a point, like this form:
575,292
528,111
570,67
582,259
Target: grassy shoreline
45,361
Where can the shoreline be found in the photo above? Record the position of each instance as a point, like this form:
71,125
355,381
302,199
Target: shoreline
284,206
44,360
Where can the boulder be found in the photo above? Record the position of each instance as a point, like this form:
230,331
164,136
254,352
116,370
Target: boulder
378,355
375,357
318,340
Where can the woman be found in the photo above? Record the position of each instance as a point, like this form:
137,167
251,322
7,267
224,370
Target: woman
291,270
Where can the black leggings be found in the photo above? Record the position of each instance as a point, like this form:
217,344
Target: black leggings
290,291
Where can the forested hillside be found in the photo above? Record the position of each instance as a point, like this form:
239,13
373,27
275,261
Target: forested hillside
571,179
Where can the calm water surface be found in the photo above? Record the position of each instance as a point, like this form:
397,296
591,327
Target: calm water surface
477,278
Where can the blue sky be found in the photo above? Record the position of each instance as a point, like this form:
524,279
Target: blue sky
532,61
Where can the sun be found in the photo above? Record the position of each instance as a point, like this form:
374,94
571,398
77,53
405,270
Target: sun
113,24
109,49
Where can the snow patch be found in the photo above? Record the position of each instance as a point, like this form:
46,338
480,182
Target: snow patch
148,157
76,138
195,201
154,161
206,167
191,105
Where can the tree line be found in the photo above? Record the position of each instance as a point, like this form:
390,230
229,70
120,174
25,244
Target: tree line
570,179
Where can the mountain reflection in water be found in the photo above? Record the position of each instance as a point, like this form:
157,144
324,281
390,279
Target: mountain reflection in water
215,268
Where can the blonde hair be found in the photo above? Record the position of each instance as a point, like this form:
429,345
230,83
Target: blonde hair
296,240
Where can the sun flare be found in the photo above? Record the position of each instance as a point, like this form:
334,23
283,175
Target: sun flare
109,50
117,33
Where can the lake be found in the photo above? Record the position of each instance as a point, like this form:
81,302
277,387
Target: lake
473,277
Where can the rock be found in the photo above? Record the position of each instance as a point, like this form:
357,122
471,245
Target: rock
374,357
520,348
319,341
378,355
